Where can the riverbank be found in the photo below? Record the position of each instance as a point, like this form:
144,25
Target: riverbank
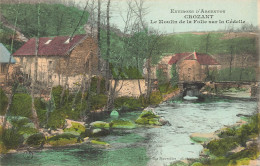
233,145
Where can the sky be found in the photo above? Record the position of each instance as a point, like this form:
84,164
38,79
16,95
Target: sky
242,11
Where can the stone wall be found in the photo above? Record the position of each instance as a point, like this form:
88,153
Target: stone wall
190,70
129,88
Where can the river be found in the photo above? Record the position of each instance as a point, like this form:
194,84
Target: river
151,146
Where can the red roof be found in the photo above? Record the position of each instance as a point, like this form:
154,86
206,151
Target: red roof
203,59
49,45
175,58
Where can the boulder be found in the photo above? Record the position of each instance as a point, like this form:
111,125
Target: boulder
99,124
75,128
203,137
114,114
148,117
163,121
122,124
96,132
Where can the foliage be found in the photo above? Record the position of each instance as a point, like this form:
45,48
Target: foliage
126,73
21,105
98,101
100,124
55,19
222,146
197,164
56,93
155,98
76,127
122,124
62,136
11,138
174,76
188,42
2,147
148,118
164,88
234,136
128,103
248,74
36,139
244,161
56,119
18,122
6,39
94,84
63,142
3,102
98,142
40,107
161,76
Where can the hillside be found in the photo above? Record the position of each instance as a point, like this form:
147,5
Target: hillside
55,20
212,43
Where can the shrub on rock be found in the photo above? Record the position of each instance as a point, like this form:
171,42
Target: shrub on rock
122,124
76,127
36,139
148,118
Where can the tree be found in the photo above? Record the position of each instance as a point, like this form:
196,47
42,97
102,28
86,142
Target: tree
10,99
34,78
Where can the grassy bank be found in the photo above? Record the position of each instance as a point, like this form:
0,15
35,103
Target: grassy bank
235,146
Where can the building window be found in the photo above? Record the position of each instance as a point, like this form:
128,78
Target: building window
50,64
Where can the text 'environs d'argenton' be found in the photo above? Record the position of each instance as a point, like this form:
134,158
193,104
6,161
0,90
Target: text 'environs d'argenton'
197,16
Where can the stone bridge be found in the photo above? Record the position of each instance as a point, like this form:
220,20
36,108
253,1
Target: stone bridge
192,88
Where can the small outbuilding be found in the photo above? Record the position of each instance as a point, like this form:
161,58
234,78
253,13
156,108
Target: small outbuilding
4,60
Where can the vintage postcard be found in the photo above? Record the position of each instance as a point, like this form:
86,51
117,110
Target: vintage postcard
129,82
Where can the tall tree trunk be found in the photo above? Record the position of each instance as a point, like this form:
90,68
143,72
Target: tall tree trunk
108,48
66,83
34,113
12,45
111,96
149,88
139,86
99,46
88,108
10,100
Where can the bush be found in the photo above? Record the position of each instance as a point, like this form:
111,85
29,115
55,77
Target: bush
3,102
2,147
36,139
63,142
94,83
62,139
21,105
56,92
18,122
122,124
128,103
222,146
56,120
156,98
11,138
76,127
62,136
98,101
197,164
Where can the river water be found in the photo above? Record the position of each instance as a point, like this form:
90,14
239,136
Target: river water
147,145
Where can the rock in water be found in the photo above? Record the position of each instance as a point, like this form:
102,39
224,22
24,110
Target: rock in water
114,114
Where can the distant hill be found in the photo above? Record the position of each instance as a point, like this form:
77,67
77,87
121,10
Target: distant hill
55,20
212,42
